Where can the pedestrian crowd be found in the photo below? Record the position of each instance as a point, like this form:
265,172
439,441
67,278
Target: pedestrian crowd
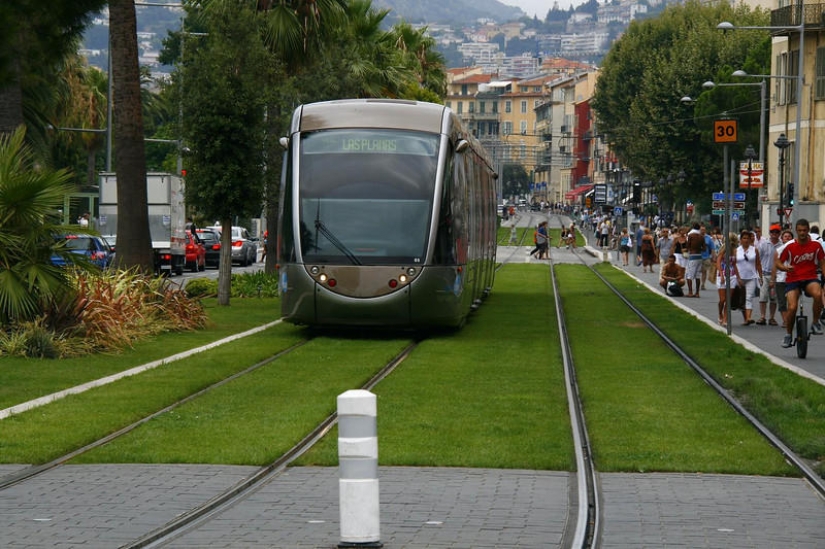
763,276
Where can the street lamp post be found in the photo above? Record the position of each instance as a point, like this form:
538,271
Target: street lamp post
800,82
763,108
782,143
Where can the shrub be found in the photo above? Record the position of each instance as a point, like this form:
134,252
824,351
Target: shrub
201,287
113,309
258,284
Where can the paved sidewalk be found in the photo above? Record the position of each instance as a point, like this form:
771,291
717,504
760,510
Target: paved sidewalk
105,506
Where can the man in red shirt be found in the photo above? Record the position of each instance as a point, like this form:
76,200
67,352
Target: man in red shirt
800,260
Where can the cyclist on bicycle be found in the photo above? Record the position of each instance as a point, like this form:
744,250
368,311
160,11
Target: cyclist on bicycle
800,260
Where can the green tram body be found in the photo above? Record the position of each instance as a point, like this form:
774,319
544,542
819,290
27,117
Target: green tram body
387,216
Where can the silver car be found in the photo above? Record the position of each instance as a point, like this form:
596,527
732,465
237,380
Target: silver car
244,248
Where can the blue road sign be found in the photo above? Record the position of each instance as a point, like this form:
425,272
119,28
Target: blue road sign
617,210
737,197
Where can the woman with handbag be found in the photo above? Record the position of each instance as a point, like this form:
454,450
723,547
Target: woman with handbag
723,269
750,273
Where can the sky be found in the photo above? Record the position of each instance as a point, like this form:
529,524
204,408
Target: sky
538,7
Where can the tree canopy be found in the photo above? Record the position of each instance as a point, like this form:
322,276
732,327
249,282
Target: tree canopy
657,63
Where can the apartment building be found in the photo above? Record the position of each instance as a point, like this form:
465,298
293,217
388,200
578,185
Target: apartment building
542,123
802,181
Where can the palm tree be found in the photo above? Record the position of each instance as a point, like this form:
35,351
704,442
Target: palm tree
134,244
82,104
29,199
33,40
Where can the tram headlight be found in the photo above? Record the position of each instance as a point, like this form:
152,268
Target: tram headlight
322,278
402,278
314,270
411,271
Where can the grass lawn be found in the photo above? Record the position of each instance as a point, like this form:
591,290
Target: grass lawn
645,409
790,405
23,379
492,395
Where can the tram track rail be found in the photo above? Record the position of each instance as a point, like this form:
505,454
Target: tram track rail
588,517
36,470
202,513
800,464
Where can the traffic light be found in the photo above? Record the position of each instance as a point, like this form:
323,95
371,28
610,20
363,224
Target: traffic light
790,194
637,193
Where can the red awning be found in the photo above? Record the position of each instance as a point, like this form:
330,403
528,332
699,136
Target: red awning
578,191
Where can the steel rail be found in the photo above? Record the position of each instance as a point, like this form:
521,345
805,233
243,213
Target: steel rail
588,519
816,481
196,516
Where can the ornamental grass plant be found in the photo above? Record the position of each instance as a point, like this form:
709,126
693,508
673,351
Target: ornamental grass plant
107,312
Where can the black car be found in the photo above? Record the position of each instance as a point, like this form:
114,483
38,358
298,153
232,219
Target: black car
211,240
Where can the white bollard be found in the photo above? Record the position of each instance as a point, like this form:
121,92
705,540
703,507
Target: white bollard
358,469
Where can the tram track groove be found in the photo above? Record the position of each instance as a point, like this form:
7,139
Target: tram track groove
588,516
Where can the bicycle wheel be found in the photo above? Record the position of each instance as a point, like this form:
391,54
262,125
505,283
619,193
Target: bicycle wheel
802,336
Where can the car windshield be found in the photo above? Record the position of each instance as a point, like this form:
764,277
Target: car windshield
366,195
209,236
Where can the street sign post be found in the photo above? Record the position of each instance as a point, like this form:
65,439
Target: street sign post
725,131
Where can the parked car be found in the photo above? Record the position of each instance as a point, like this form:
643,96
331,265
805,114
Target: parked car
195,253
244,247
95,248
211,240
111,240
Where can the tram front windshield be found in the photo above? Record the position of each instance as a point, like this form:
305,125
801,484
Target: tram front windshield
366,195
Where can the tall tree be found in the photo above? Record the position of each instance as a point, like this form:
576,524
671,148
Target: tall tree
134,244
644,77
224,96
33,40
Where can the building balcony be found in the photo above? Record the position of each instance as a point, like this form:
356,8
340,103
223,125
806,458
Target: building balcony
813,13
483,116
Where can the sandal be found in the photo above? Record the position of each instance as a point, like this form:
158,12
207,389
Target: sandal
761,322
772,322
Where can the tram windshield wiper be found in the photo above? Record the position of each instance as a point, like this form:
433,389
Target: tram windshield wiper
321,228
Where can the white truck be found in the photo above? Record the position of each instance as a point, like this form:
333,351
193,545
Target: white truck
167,217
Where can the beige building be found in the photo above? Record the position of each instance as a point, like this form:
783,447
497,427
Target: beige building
802,181
541,123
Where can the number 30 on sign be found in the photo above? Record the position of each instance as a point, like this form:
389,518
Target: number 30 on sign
724,131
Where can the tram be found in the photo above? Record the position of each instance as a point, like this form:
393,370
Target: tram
387,216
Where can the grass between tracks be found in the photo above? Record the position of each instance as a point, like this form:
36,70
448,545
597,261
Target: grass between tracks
491,395
23,379
645,409
790,405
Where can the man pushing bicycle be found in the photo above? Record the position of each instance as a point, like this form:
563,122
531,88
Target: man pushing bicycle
800,260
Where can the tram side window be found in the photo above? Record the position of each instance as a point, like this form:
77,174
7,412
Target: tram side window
286,242
445,242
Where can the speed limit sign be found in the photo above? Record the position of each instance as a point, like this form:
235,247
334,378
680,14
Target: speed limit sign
724,131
